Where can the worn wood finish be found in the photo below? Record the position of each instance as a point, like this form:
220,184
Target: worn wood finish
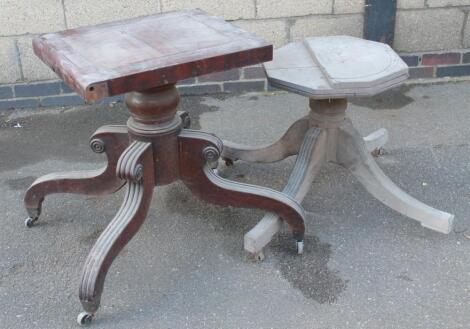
353,155
160,153
198,150
337,141
336,67
328,70
153,123
136,167
311,158
145,57
352,63
146,52
287,145
111,140
154,117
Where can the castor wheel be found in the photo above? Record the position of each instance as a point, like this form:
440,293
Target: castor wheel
29,222
85,318
378,152
299,246
259,256
186,119
255,256
228,162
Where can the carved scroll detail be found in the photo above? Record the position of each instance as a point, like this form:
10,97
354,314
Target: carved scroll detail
111,140
198,175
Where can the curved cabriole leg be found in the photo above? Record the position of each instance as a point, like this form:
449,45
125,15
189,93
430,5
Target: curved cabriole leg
287,145
136,167
312,156
353,155
198,151
112,140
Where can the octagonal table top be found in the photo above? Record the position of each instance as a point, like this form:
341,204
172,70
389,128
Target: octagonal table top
336,67
146,52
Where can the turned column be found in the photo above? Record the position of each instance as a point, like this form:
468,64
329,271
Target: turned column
153,118
328,114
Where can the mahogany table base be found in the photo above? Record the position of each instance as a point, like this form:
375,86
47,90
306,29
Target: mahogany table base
326,135
152,150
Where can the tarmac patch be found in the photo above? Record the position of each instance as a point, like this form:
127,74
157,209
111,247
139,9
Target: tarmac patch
90,239
308,272
393,99
404,277
20,183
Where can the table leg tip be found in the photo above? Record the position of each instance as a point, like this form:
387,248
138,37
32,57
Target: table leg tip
443,225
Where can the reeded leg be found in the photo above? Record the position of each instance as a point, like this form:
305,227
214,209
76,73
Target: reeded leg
353,155
198,151
310,159
111,140
288,145
136,167
376,140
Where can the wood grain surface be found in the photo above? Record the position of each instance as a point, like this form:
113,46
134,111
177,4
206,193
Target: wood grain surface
146,52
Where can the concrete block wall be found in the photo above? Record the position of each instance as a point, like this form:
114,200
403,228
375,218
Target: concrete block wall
432,35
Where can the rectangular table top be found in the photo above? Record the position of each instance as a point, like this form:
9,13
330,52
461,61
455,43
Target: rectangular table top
146,52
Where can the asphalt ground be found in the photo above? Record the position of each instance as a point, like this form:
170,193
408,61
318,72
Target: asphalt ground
364,265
